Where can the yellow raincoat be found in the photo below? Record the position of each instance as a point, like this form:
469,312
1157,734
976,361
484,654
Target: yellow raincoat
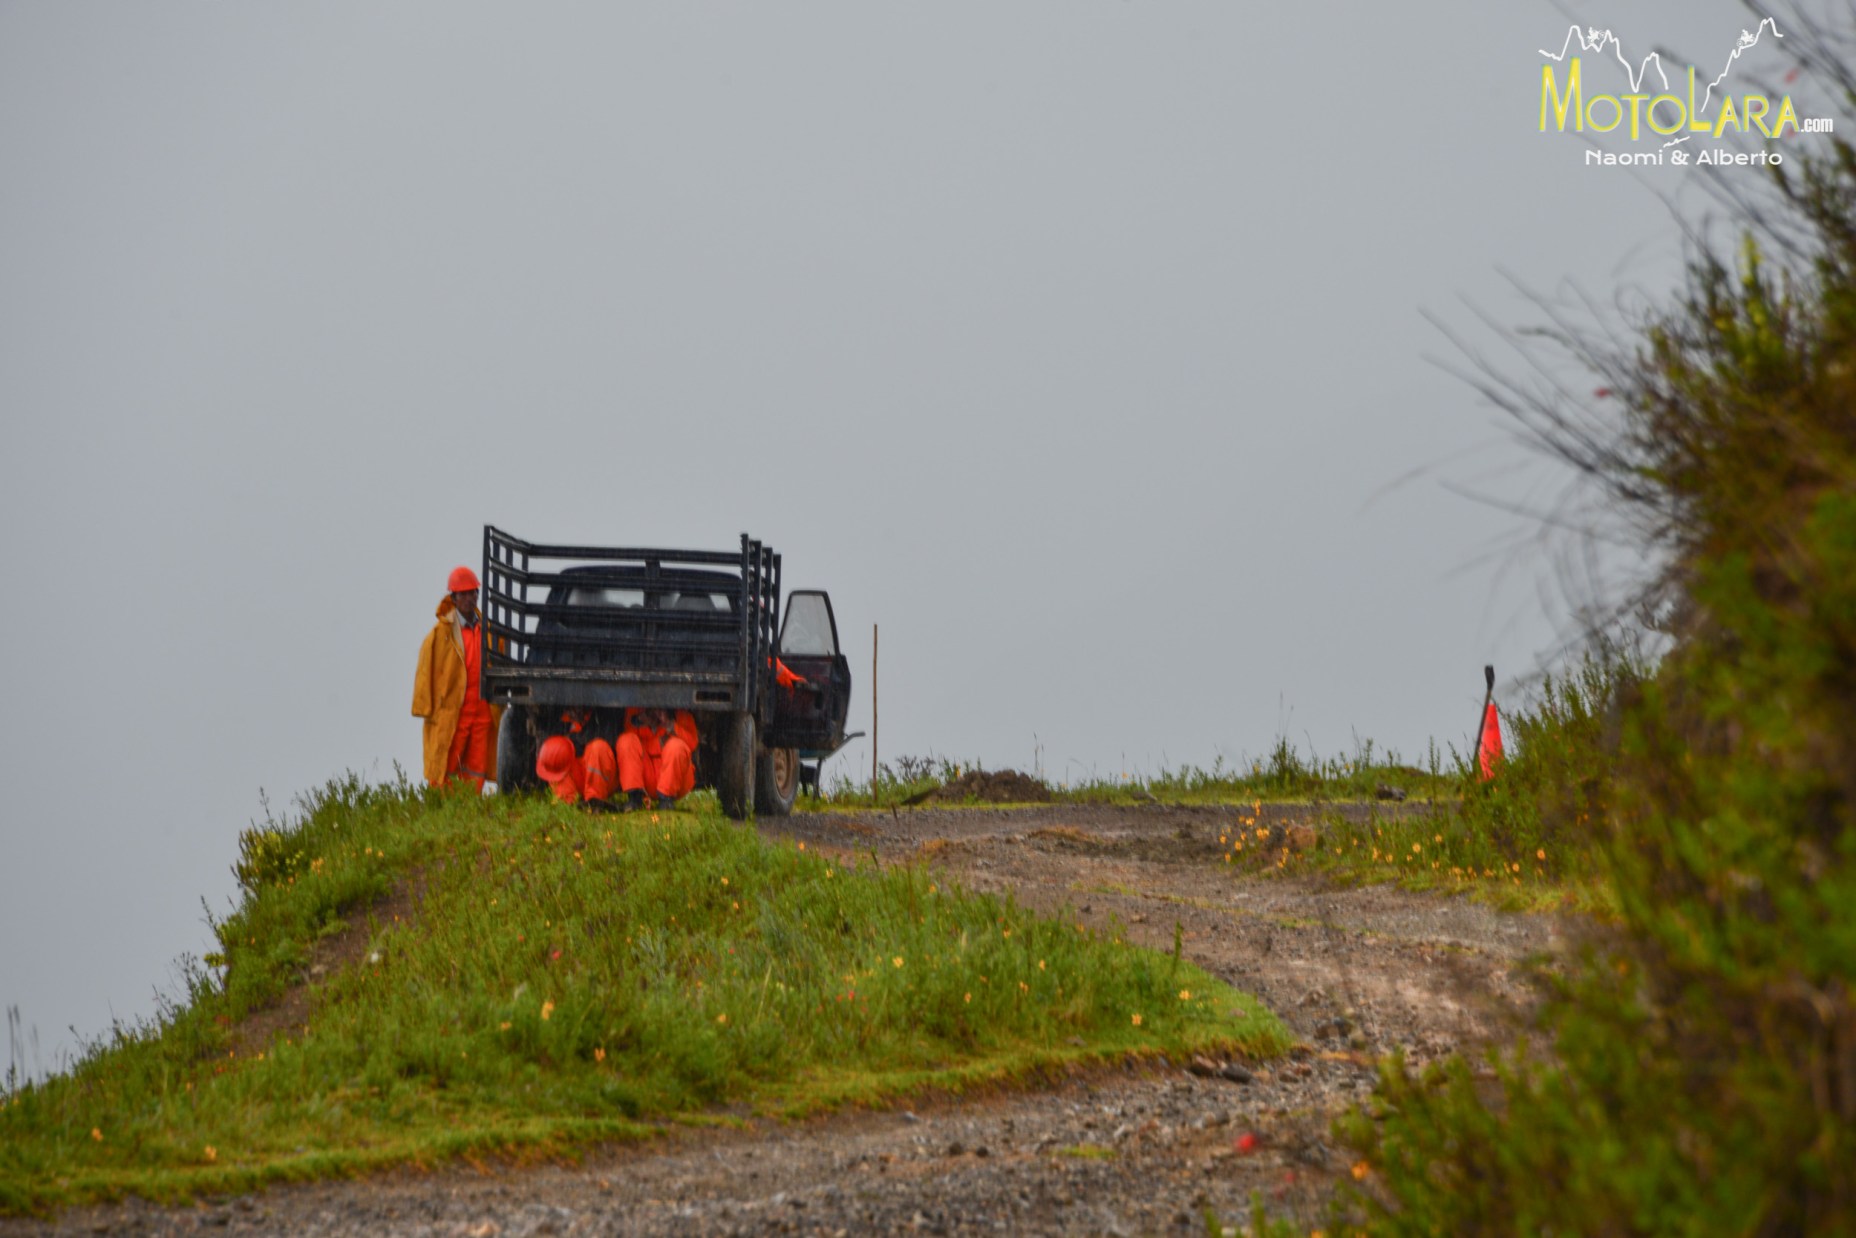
439,690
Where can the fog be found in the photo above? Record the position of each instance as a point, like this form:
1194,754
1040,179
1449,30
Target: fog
1081,346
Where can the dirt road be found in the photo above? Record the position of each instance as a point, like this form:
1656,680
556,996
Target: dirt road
1356,973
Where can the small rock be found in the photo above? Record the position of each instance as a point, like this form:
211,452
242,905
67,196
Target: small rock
982,1151
1386,791
956,1148
1357,1040
1236,1072
909,1116
1204,1067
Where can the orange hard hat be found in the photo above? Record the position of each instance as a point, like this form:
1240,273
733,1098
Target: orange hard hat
463,580
555,759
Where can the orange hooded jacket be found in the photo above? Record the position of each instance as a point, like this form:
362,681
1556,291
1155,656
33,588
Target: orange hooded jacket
440,688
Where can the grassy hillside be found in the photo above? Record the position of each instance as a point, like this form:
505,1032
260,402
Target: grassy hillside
412,976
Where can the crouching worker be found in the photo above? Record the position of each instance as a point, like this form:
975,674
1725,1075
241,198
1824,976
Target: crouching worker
587,778
657,756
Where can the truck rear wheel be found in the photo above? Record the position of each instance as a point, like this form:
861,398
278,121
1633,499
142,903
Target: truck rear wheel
515,754
776,781
734,782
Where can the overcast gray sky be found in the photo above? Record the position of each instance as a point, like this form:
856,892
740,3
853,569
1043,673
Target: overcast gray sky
1079,344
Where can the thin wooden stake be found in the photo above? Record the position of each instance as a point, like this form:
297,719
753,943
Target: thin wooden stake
873,709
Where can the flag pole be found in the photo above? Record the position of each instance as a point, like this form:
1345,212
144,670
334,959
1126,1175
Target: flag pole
1482,720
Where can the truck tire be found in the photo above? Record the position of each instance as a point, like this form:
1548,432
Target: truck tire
776,781
515,754
734,782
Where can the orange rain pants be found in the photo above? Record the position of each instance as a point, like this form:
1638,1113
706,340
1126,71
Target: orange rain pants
661,764
602,769
470,756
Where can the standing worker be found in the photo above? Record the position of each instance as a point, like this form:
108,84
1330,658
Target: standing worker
656,756
460,728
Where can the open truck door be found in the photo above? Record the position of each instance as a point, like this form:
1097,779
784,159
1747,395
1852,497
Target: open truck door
809,717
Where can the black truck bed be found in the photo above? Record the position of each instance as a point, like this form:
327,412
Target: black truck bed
608,627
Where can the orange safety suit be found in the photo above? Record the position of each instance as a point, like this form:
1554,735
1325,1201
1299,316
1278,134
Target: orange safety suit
593,775
569,784
460,727
601,768
659,763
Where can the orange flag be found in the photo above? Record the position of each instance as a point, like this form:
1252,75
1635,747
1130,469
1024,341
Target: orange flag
1491,753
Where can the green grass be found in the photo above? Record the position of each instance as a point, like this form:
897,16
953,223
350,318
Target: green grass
1087,1152
1527,840
1447,851
562,978
1285,775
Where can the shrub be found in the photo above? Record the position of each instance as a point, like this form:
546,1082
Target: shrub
1699,1068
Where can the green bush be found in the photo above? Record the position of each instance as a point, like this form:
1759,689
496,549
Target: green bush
1696,1071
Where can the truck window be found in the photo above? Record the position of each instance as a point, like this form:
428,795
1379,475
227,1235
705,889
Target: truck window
712,602
808,631
607,595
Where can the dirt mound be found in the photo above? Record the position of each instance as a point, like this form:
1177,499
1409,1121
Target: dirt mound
1006,786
